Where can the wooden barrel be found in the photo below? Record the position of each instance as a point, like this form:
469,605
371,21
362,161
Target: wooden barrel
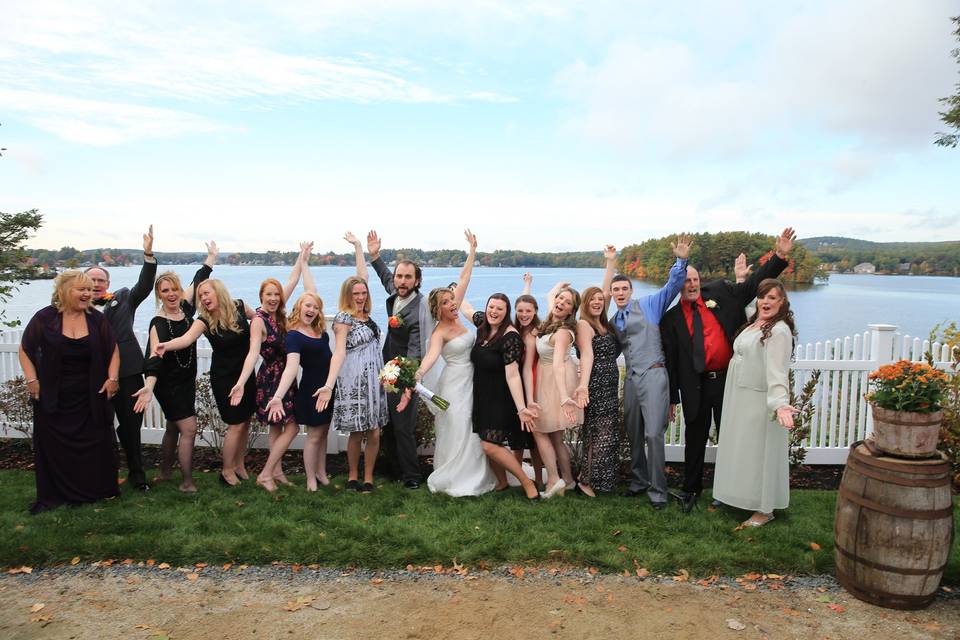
906,434
893,528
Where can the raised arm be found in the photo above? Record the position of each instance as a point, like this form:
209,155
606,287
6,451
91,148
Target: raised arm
362,271
148,272
772,268
467,271
192,335
308,282
294,278
325,393
610,262
203,273
527,283
275,406
373,248
656,304
552,294
257,333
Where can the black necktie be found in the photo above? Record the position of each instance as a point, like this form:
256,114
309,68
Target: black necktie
699,356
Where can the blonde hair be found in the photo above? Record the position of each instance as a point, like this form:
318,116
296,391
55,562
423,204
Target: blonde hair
173,279
319,323
63,282
551,324
434,301
224,317
345,304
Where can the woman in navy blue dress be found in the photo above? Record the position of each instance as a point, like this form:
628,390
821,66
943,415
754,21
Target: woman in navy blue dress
308,348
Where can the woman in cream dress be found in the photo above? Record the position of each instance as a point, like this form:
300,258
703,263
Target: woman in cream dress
752,469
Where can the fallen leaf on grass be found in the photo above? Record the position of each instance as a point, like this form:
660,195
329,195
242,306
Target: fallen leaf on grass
377,581
37,607
682,577
410,567
44,620
75,560
200,565
752,576
128,561
815,546
736,625
773,576
517,572
622,549
300,603
824,598
749,586
17,570
163,565
837,608
438,568
643,572
593,571
151,562
711,509
226,567
616,532
192,577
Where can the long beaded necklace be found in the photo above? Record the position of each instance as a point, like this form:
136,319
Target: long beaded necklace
176,354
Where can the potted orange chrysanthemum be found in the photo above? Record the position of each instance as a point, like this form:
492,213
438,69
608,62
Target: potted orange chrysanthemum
905,399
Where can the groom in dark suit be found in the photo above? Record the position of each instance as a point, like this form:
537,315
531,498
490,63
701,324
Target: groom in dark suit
697,335
405,306
120,307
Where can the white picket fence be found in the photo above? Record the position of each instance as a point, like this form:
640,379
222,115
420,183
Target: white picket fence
841,415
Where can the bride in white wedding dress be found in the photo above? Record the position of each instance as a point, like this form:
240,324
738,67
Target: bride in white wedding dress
460,467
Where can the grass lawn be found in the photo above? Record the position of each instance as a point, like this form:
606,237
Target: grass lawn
394,527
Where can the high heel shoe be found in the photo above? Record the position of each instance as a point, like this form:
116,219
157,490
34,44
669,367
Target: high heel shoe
558,488
267,484
226,482
580,490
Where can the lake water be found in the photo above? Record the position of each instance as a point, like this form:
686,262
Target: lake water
844,306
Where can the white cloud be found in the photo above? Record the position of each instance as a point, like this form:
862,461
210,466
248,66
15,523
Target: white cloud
97,122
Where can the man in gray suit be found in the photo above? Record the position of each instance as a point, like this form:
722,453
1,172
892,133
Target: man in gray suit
646,388
119,307
405,337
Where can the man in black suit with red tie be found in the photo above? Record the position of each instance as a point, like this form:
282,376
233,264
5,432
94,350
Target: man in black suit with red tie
697,335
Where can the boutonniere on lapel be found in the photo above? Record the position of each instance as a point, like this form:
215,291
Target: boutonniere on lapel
106,299
394,322
710,304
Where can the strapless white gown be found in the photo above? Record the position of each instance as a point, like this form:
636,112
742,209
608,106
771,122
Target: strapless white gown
460,467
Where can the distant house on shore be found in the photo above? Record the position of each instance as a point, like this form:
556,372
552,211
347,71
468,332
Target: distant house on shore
865,267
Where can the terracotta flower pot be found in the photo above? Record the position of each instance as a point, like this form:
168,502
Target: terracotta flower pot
906,434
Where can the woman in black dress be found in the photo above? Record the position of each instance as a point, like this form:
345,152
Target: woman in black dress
499,411
601,425
225,323
70,359
173,378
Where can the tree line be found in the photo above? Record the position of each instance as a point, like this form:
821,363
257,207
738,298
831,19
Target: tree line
713,255
916,258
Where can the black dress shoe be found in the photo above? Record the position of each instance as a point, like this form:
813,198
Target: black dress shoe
688,502
632,493
353,485
367,487
143,486
411,484
658,506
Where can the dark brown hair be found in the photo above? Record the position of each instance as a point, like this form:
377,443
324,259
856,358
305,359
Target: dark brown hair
785,314
535,322
484,328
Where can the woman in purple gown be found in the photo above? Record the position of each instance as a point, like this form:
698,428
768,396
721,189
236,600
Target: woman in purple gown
70,360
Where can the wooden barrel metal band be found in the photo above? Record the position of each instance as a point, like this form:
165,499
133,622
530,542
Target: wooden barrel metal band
937,514
882,597
922,469
886,567
859,467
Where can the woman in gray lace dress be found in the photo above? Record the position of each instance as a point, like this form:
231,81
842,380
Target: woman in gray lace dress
360,402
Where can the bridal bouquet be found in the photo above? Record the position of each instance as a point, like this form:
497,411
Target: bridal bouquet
400,374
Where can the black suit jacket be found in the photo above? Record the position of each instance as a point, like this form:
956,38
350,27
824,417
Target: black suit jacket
729,311
120,313
405,339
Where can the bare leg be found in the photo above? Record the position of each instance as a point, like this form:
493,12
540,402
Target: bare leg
231,444
563,456
188,434
279,447
276,431
549,456
370,454
310,453
503,458
500,473
537,463
353,454
168,447
321,465
239,460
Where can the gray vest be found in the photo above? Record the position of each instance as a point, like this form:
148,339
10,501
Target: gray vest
639,341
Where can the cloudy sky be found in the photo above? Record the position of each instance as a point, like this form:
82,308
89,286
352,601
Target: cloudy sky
543,125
